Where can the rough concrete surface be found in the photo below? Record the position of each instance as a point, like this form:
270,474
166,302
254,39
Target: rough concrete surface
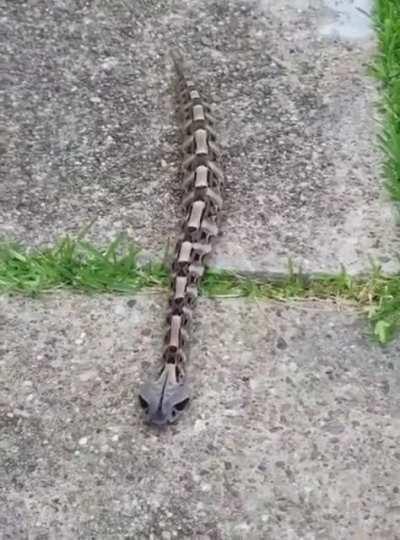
90,130
294,428
293,432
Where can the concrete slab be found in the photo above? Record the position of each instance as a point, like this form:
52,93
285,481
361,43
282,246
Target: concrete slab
90,132
300,132
294,431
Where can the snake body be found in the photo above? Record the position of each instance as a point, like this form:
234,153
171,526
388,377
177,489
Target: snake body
165,398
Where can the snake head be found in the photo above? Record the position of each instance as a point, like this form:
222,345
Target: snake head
164,399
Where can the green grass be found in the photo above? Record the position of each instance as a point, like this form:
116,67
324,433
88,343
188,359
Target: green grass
377,296
77,265
387,70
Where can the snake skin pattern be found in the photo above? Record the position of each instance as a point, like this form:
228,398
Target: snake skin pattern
164,399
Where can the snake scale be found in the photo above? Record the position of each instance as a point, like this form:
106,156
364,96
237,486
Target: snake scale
165,398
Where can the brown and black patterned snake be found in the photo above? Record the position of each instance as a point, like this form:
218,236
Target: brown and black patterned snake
164,398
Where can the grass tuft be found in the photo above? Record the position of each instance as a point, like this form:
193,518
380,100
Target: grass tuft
78,265
377,295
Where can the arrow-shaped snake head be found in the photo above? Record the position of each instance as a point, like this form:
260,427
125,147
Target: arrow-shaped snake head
164,399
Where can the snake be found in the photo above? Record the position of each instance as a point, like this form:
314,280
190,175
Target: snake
165,397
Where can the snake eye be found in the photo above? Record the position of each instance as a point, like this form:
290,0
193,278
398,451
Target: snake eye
180,406
143,403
